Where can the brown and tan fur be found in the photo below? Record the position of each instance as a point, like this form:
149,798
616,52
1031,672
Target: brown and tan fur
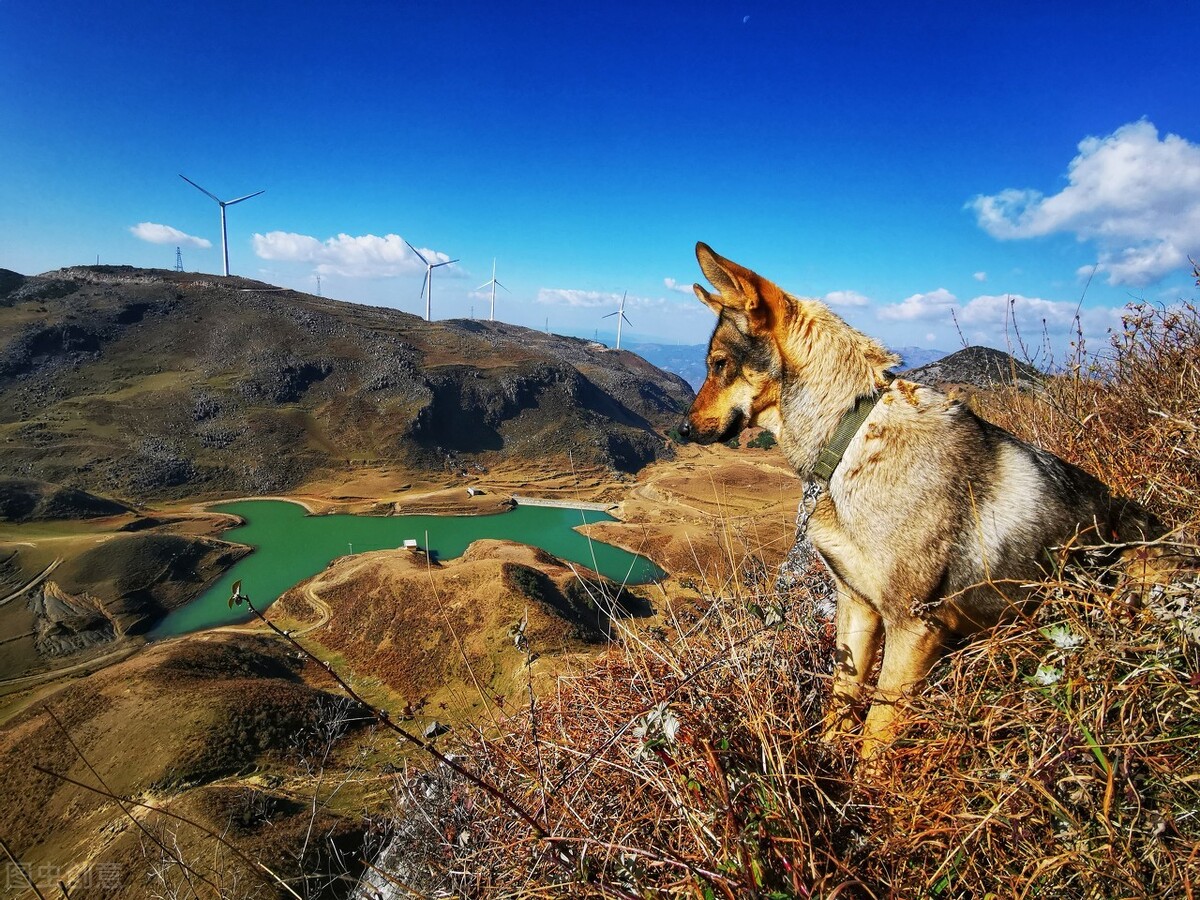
935,522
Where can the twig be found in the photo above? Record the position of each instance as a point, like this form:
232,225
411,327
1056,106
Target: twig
255,866
184,867
21,869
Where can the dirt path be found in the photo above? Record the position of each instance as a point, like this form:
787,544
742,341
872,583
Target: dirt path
86,667
34,582
323,609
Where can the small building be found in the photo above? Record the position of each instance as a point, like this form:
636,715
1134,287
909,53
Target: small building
411,544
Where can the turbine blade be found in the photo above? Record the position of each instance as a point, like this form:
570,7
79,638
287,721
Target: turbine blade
200,189
626,318
247,197
446,263
416,251
424,283
608,315
485,284
498,284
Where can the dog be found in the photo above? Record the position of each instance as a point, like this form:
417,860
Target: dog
934,523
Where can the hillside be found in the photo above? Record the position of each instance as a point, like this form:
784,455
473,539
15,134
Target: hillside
150,384
216,728
980,367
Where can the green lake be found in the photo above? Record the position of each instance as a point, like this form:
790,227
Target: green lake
290,546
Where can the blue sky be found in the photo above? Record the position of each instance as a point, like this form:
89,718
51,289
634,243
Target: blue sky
904,161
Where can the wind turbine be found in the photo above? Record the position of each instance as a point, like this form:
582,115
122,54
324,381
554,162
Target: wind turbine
222,204
620,314
427,284
494,283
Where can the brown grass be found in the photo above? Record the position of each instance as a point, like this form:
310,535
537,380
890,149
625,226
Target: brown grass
1057,758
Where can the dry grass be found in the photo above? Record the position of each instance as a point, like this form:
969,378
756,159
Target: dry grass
1129,416
1056,758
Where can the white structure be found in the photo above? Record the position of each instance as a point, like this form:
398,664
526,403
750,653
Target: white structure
620,314
495,284
222,204
427,284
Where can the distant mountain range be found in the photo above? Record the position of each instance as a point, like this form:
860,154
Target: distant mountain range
687,360
147,384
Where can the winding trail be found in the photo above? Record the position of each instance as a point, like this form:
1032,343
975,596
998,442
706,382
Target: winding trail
38,579
322,608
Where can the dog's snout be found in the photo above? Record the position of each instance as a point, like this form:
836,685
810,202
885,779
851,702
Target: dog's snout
685,430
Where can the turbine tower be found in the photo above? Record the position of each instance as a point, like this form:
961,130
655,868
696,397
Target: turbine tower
222,204
427,284
620,314
495,284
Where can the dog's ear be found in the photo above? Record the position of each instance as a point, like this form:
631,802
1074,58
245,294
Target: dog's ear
741,290
713,303
718,270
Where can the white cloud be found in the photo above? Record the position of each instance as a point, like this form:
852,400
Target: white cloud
366,256
980,276
670,310
932,305
673,285
569,297
846,298
999,309
1136,196
155,233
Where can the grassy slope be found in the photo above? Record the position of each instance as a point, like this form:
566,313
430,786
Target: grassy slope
150,384
169,727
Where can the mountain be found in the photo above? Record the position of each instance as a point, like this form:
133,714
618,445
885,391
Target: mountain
685,360
980,367
913,357
157,384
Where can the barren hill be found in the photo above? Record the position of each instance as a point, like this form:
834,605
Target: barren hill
155,384
981,367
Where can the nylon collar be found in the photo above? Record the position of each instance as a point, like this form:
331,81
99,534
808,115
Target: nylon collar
831,454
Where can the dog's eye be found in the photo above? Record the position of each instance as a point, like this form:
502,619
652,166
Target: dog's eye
718,366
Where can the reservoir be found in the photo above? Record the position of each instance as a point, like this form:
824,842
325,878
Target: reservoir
290,546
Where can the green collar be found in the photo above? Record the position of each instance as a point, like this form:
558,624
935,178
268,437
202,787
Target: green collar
831,454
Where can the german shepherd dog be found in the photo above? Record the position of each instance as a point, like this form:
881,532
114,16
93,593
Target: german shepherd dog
933,523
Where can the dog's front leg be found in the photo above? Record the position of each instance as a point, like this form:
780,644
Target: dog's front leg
912,647
859,631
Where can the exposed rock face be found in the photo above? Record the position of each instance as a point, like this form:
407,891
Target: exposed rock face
161,384
980,367
66,622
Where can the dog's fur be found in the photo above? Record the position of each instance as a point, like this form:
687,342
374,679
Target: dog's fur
935,523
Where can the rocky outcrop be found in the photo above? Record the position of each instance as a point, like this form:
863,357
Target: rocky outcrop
980,367
66,623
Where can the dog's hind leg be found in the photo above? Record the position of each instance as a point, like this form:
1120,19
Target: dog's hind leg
912,647
859,633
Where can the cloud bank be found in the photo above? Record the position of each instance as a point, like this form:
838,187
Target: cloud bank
366,256
932,305
1136,196
846,298
154,233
